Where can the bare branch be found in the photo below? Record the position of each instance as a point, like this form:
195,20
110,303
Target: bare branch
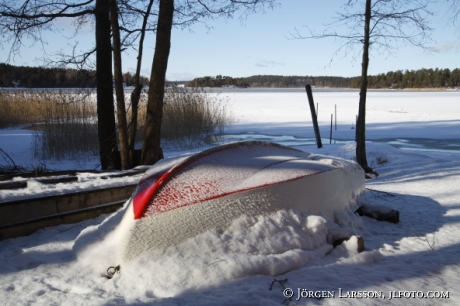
392,22
455,12
27,20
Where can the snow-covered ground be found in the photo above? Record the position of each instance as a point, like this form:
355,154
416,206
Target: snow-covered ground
237,265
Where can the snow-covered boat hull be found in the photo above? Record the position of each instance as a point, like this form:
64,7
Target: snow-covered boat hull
213,188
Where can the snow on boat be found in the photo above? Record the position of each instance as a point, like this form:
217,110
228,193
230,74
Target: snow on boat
211,189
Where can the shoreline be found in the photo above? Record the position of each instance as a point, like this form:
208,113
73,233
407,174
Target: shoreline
243,88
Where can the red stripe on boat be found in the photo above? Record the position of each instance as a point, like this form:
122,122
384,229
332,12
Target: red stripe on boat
153,194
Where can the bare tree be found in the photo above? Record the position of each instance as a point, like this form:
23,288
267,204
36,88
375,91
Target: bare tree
122,128
29,19
151,150
386,24
108,149
361,157
136,94
181,13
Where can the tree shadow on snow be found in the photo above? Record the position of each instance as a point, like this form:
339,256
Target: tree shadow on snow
380,130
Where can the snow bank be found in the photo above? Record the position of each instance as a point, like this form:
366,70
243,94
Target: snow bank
251,245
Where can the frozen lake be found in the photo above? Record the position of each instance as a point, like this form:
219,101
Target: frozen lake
417,120
411,120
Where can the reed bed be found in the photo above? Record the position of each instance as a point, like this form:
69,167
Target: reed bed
192,118
21,108
69,129
65,122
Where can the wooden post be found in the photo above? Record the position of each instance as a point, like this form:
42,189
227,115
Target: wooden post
313,115
336,117
330,135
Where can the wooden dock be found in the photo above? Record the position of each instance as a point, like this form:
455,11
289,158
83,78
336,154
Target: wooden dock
23,217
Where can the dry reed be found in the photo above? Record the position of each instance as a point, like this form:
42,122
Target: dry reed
20,108
192,118
65,122
69,128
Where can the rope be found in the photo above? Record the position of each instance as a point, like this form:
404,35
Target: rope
111,271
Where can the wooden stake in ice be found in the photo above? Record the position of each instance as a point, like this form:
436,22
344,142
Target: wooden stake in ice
313,115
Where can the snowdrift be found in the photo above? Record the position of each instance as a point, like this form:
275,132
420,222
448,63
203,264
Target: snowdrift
210,190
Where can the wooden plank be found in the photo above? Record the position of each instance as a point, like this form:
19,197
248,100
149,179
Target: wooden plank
379,213
132,173
9,176
13,185
29,209
65,179
25,228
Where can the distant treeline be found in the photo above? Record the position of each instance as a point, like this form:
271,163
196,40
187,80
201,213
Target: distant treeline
422,78
274,81
40,77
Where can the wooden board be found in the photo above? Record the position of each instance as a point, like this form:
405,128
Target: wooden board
29,209
13,185
28,227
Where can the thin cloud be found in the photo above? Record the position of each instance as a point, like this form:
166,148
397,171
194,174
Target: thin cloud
268,63
444,47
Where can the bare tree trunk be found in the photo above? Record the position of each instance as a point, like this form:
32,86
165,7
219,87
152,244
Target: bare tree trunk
361,123
151,150
120,94
135,98
136,94
105,110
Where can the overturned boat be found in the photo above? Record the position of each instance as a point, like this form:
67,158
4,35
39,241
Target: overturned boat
211,189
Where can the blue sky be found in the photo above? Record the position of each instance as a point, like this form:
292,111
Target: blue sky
263,44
